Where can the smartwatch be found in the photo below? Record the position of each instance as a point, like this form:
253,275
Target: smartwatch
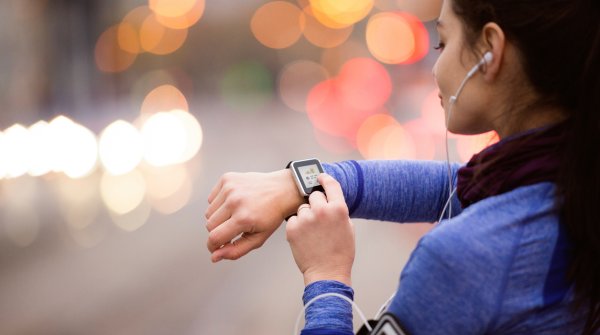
305,174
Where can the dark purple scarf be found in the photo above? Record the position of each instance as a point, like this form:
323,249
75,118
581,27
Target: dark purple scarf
523,159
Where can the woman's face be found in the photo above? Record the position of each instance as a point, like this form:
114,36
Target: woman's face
470,112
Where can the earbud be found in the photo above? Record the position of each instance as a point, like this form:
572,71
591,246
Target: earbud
485,60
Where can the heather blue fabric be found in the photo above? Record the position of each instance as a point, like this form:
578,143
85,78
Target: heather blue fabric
496,267
329,315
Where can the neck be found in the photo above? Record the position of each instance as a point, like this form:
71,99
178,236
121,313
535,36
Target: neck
531,118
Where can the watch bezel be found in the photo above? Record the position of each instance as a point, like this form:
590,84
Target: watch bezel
302,188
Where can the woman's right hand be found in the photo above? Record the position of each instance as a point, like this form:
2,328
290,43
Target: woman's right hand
246,208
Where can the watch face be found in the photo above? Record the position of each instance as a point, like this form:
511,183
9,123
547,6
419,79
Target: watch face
306,172
309,175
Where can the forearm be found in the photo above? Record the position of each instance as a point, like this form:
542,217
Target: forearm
399,191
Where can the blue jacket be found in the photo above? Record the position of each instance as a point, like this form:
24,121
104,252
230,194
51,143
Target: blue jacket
496,267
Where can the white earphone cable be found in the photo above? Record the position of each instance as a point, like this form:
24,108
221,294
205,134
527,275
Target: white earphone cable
324,295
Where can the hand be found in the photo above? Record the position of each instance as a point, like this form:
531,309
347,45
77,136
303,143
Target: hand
252,205
322,236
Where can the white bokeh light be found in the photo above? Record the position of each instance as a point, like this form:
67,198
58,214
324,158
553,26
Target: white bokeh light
193,132
122,193
164,139
41,149
16,151
83,152
120,147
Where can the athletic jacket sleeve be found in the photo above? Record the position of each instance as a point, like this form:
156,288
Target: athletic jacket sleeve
398,191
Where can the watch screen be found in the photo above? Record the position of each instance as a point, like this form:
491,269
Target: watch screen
309,175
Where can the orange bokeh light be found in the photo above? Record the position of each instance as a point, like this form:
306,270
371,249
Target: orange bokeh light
340,13
382,137
186,20
369,128
171,8
278,24
396,38
323,36
164,98
158,39
467,146
108,55
129,29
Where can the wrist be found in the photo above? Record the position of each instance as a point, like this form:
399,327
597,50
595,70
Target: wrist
342,277
291,198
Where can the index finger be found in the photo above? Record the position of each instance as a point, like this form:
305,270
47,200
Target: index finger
333,189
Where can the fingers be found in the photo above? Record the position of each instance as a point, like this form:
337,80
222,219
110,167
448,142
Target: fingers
221,215
222,235
215,203
237,248
332,188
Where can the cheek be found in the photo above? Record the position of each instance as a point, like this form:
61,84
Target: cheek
440,74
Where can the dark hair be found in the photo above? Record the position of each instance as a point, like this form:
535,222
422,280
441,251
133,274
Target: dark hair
559,45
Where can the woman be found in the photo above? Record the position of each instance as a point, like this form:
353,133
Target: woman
521,252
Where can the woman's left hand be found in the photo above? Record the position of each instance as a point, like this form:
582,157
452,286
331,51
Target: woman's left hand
321,235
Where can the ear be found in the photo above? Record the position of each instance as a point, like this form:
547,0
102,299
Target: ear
493,40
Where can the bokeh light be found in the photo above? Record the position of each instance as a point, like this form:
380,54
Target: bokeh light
171,137
424,142
120,147
82,151
396,37
340,13
128,31
193,134
323,36
123,193
41,149
386,139
364,84
467,146
333,59
338,106
369,128
16,151
247,86
3,157
297,79
160,40
109,56
277,24
164,98
171,8
134,219
168,188
183,21
433,114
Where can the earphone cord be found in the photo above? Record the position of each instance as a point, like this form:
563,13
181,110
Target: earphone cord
324,295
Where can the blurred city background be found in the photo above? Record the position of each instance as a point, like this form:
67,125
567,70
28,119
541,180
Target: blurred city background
118,117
